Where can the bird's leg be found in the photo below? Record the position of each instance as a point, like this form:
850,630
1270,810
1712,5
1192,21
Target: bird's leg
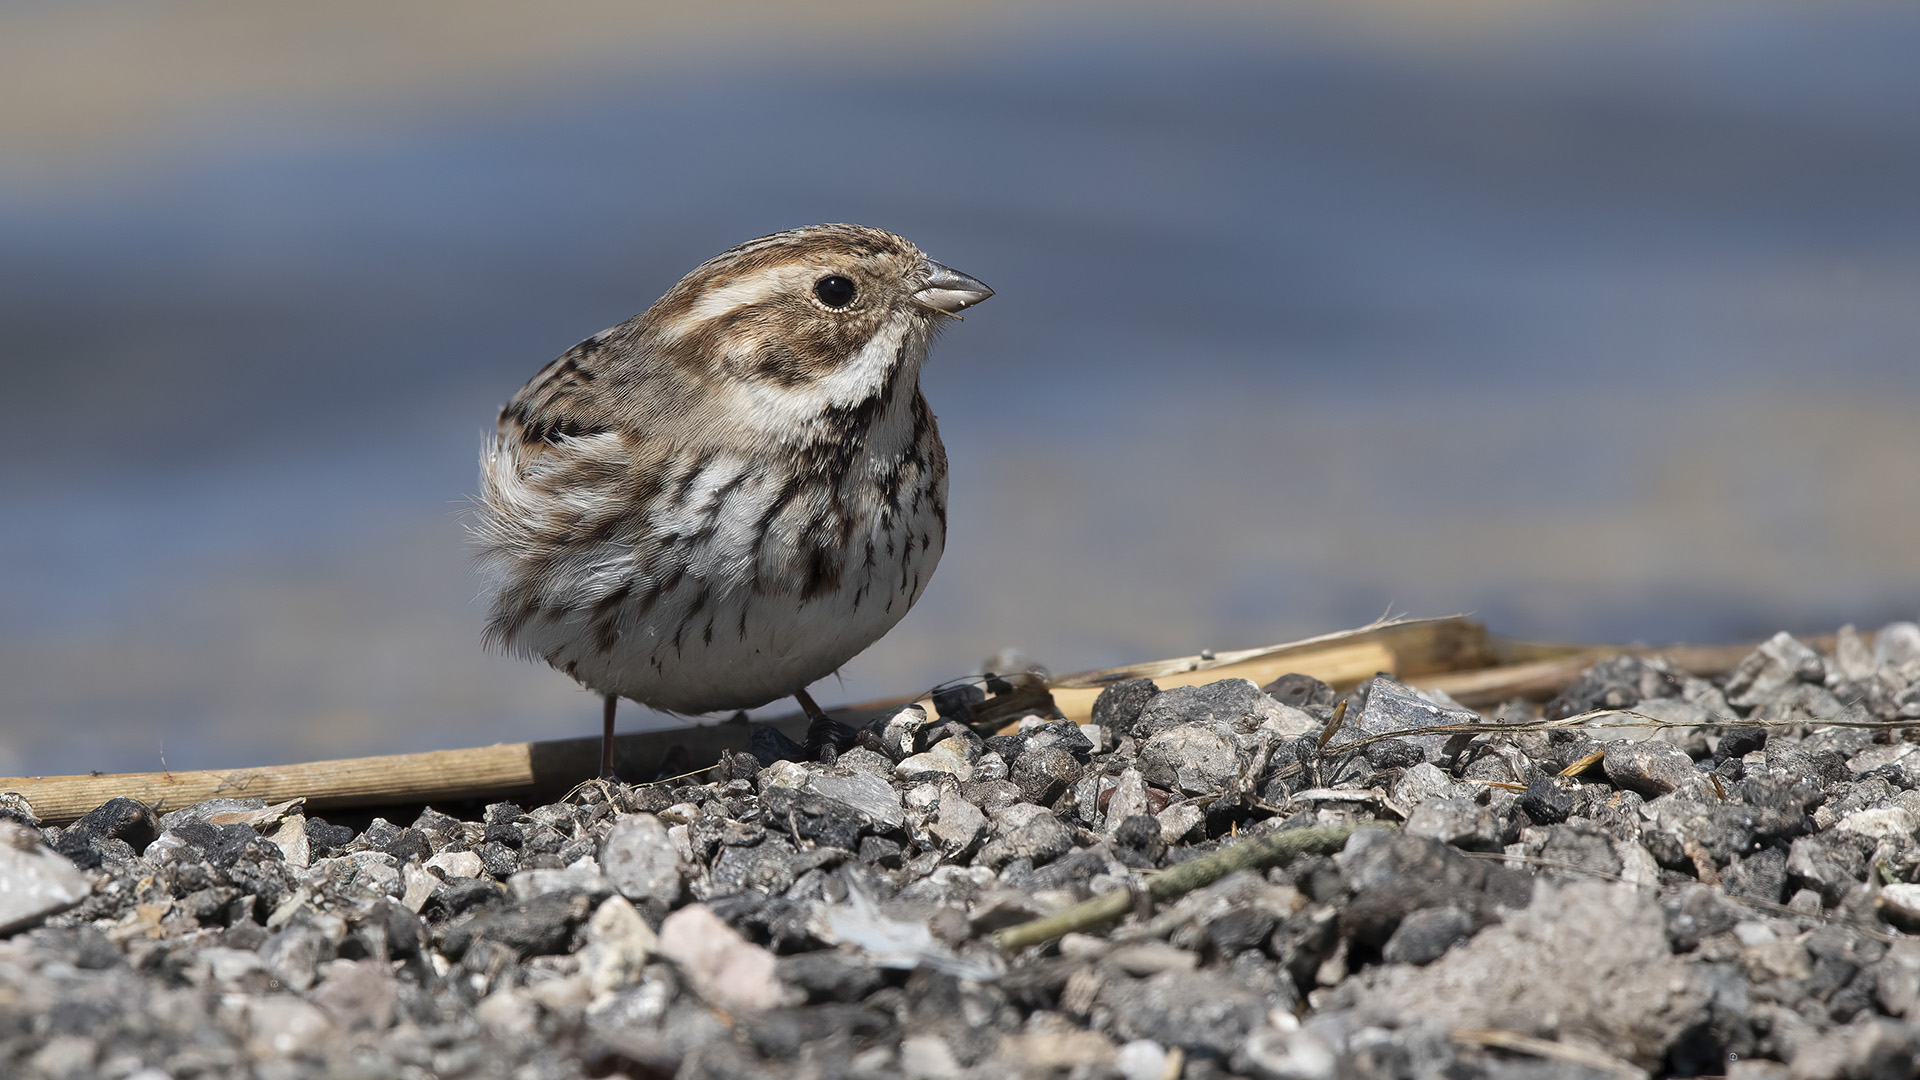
606,737
605,781
824,733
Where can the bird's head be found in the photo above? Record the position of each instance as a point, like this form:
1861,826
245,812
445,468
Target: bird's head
827,312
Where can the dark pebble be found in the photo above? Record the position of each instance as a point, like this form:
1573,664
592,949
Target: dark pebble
1118,707
1299,691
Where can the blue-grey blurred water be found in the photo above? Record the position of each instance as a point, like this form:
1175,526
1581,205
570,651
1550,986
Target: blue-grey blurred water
1599,330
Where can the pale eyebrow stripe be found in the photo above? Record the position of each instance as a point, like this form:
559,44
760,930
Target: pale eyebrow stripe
748,289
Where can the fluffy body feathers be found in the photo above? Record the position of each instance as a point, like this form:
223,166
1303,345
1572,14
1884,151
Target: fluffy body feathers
725,498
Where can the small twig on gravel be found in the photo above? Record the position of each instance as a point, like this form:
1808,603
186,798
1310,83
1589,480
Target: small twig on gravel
1333,723
1553,1051
1354,795
1270,850
1504,785
1583,764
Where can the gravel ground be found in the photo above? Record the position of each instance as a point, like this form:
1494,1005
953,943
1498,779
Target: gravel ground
1731,892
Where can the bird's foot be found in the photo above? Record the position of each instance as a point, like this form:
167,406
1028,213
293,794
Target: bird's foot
599,785
827,738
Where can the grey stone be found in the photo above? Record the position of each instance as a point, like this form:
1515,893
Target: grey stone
1237,704
1393,875
1393,707
1178,821
1869,1046
1777,804
880,851
863,791
652,1025
1632,996
1119,706
15,807
1760,877
860,759
290,836
1695,912
1385,754
64,1057
1899,904
958,826
1897,645
282,1028
1128,798
409,845
1618,682
1025,831
1044,772
1240,928
1201,1011
1197,758
1880,823
116,819
212,808
35,880
499,860
929,1057
1779,662
829,976
1896,978
898,734
1084,805
295,952
1853,660
358,995
948,757
1545,802
166,961
1650,768
1426,935
535,927
1142,1059
618,945
1136,842
814,817
583,878
1739,741
640,860
1296,1054
1580,848
769,866
1460,822
724,969
1424,781
1903,759
991,796
1058,734
1299,691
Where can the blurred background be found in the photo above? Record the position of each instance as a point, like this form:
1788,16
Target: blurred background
1597,321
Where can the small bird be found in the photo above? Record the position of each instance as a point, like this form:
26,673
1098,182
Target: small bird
725,498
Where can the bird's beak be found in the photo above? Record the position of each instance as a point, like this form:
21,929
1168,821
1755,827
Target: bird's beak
950,291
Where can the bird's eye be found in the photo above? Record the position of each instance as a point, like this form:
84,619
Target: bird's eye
835,291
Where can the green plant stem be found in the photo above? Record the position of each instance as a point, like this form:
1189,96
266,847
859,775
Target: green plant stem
1256,854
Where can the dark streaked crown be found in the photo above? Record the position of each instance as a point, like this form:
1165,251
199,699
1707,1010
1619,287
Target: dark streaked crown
790,306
